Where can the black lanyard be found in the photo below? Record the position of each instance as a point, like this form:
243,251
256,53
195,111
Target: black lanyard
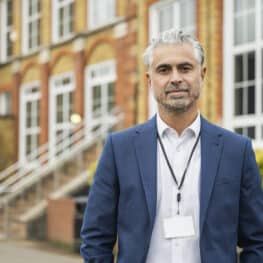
179,186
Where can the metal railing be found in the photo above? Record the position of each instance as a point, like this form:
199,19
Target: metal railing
20,176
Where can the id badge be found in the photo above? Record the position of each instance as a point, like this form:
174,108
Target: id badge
178,227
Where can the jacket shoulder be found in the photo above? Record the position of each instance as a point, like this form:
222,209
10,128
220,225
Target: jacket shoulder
227,135
130,132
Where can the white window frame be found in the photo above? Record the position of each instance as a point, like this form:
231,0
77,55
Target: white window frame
23,130
5,31
56,5
154,30
103,80
53,92
99,6
27,19
230,121
5,103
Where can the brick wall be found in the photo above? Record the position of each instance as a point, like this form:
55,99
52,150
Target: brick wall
60,220
7,137
209,32
126,84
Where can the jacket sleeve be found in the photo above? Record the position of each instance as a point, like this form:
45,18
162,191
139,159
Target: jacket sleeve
99,228
250,232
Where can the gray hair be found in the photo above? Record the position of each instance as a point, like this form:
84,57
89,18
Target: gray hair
173,36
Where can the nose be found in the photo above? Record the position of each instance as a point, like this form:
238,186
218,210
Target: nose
176,77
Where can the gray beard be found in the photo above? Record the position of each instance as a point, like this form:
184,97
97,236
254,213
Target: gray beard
179,108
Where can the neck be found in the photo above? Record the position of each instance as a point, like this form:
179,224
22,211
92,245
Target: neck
178,120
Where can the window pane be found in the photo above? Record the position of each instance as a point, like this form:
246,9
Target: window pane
96,101
239,101
9,45
243,5
251,100
28,114
166,18
38,5
59,104
239,29
63,105
71,105
38,32
38,111
59,135
34,114
251,66
111,96
244,28
101,12
248,131
30,7
251,132
239,130
111,8
239,68
65,19
31,109
9,12
251,25
28,144
5,103
103,90
33,26
30,42
187,13
60,23
71,17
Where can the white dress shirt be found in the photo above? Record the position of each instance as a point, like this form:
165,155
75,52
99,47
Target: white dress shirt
178,149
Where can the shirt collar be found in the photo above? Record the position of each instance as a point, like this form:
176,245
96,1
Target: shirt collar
194,127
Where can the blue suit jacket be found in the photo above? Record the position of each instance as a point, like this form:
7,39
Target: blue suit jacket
122,200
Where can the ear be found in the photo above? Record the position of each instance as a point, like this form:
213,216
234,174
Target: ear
203,72
149,81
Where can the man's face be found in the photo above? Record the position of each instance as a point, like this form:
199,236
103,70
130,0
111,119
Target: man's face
176,77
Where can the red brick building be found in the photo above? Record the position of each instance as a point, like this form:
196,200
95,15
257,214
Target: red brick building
53,55
65,58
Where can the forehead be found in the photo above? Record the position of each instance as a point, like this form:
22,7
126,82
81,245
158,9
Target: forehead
174,54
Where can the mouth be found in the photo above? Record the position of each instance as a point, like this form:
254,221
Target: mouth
177,91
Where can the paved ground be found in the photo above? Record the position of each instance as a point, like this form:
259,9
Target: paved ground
31,252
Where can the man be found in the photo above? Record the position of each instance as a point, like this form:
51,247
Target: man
176,189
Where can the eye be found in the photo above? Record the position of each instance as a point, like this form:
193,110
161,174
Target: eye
185,68
163,69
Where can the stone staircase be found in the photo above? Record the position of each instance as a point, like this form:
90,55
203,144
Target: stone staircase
24,192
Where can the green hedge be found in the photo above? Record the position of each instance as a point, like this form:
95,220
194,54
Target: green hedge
259,157
92,170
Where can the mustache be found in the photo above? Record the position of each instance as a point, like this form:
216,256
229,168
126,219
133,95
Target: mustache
176,87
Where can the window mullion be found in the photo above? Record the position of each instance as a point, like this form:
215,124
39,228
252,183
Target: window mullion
258,65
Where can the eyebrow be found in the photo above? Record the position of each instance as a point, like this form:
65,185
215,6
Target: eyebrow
183,64
180,65
163,65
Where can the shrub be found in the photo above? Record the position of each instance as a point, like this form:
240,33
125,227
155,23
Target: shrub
259,158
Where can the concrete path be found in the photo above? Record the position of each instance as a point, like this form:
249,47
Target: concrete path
34,252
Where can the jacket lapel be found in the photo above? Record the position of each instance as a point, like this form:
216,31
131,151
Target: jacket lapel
146,153
211,148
